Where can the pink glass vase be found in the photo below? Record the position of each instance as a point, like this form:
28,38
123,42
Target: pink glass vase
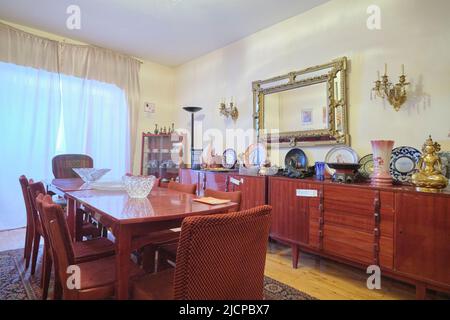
382,150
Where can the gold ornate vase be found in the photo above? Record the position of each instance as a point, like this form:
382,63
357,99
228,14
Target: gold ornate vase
429,177
382,150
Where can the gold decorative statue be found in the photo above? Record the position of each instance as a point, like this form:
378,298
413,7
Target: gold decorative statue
429,178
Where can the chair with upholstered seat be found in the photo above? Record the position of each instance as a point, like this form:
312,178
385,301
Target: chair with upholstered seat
186,188
83,251
219,257
150,243
63,164
97,277
168,251
29,233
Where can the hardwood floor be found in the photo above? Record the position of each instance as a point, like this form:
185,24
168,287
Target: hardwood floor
328,280
320,278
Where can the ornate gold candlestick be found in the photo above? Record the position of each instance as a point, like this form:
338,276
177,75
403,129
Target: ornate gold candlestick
429,178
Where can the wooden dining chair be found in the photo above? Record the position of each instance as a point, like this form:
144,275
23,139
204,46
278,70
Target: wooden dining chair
219,257
186,188
167,252
83,251
96,277
150,243
63,164
29,232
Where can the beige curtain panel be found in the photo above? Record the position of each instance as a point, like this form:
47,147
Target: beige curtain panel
82,61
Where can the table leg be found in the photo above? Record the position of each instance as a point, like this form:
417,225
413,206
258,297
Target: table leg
123,252
71,214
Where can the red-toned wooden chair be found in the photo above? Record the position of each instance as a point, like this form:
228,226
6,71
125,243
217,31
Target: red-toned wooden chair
83,251
151,242
97,277
63,164
168,251
29,234
219,257
186,188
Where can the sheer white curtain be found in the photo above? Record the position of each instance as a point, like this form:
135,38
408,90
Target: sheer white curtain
60,98
95,122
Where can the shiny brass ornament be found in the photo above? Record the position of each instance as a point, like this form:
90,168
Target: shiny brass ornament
429,178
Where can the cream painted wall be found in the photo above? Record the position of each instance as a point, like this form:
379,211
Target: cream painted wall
414,32
157,86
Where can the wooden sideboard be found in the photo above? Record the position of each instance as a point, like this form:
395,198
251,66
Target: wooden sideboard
406,233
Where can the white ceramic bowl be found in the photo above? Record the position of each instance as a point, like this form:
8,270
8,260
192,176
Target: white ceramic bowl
138,186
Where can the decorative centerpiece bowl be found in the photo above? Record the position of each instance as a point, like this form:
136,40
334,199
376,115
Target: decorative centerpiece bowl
138,186
90,174
345,172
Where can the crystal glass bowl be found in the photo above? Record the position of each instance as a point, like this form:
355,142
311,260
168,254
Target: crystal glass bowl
138,186
90,174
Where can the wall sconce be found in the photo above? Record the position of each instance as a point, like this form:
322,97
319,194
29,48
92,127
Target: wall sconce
230,111
394,93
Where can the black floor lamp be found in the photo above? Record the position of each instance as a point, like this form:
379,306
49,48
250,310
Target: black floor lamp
195,153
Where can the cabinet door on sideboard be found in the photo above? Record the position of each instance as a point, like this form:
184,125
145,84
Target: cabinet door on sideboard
188,176
423,236
253,190
213,180
290,220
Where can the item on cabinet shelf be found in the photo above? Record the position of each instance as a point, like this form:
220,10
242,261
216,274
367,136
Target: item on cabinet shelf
382,150
320,170
89,175
403,163
153,164
255,155
340,154
228,112
429,178
366,169
229,158
296,158
249,171
345,172
168,164
394,93
173,128
195,153
445,159
156,129
138,186
208,155
269,171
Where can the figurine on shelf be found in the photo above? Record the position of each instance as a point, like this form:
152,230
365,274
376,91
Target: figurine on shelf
156,129
173,128
429,178
164,130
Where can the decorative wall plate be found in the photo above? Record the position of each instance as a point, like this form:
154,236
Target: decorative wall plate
340,154
255,155
229,158
366,169
296,158
403,163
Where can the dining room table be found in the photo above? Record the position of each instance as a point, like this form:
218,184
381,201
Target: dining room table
129,219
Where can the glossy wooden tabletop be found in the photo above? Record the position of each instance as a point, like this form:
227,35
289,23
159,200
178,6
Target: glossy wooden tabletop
161,204
66,185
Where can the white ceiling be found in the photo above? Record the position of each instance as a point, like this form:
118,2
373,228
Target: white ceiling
169,32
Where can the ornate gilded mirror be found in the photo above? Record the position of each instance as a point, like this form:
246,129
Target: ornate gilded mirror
303,108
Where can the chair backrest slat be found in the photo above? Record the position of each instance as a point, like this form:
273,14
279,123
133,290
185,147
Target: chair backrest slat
222,257
186,188
26,198
63,164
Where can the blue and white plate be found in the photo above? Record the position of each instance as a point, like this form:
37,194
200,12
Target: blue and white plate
403,163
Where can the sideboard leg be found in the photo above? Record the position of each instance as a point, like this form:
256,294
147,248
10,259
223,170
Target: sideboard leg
294,249
421,291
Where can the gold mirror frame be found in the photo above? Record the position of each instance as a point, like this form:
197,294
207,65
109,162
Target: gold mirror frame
334,134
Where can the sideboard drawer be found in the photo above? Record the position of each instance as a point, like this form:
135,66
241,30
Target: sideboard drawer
349,243
356,221
357,200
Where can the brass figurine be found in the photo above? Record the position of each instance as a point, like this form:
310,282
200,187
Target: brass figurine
156,129
395,94
429,178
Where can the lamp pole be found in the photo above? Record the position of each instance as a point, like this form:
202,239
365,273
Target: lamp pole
193,110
